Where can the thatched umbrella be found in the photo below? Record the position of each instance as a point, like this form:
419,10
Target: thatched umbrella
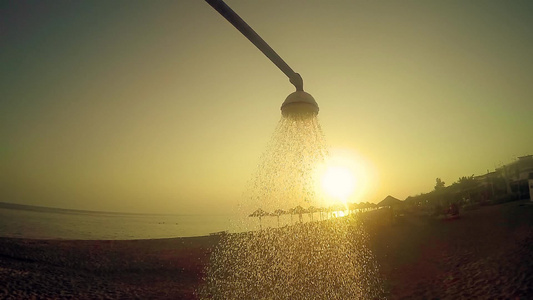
259,213
299,211
390,201
336,208
277,213
311,210
352,207
365,206
291,212
322,210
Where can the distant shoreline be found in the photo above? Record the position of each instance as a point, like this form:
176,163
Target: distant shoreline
8,205
26,221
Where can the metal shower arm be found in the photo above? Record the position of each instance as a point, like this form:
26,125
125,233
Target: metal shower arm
249,33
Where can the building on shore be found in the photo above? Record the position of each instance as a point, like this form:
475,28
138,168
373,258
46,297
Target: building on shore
517,176
509,182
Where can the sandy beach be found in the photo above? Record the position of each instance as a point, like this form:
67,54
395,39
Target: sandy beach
485,253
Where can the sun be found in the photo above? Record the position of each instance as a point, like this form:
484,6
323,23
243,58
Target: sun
344,177
339,182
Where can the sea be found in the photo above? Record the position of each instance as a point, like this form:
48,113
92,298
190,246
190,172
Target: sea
23,221
34,222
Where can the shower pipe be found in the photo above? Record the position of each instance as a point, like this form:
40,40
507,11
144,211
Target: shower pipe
249,33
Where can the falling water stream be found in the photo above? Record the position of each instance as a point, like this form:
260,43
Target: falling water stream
286,175
324,259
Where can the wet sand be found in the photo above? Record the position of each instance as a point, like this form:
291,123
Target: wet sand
486,253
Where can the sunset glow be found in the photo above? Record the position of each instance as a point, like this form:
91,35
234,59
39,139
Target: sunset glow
164,107
236,149
339,182
346,177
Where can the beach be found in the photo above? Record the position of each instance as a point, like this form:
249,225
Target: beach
485,253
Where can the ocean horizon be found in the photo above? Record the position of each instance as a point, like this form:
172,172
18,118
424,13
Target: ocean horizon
37,222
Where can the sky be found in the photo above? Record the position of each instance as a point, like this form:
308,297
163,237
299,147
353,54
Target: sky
164,107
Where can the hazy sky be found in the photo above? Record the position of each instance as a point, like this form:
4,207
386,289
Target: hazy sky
163,106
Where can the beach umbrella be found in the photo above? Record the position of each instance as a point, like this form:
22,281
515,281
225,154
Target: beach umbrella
336,208
277,213
389,201
352,207
259,213
321,210
366,205
291,212
311,210
298,210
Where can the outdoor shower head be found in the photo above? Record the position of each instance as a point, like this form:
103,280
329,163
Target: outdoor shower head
299,104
